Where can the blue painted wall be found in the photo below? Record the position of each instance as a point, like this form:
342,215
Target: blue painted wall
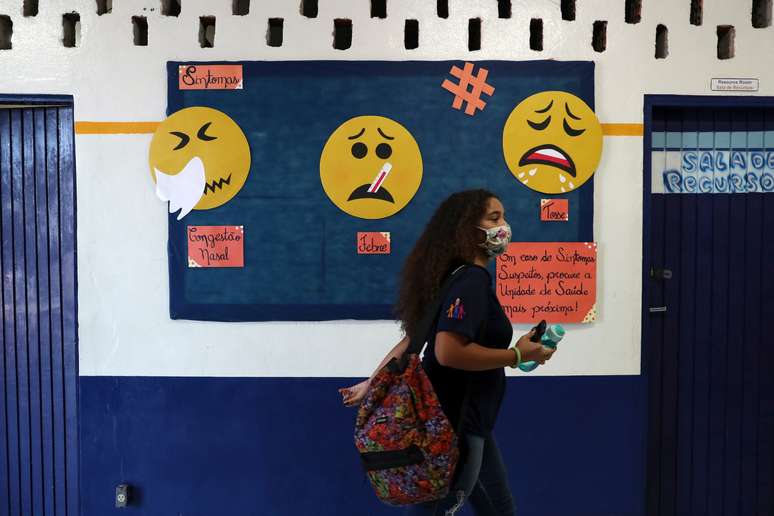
283,446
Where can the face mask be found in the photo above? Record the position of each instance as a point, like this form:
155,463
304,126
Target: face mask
497,240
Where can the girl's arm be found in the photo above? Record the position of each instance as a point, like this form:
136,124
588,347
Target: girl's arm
352,396
395,352
454,350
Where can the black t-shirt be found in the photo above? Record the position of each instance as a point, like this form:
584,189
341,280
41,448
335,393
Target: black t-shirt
471,309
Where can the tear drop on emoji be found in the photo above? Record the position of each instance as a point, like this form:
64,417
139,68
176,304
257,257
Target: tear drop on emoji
371,167
199,159
552,142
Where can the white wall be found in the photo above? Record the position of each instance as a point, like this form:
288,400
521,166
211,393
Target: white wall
123,283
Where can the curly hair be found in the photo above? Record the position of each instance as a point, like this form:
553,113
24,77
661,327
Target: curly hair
449,240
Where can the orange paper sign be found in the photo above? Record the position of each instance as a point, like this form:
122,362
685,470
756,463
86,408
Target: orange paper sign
373,243
554,210
554,281
216,246
210,77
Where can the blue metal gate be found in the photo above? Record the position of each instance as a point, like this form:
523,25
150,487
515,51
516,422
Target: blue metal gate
38,409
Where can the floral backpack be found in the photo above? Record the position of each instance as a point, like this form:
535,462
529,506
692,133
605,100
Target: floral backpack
407,445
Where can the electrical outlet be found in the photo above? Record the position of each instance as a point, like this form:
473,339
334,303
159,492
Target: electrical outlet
122,495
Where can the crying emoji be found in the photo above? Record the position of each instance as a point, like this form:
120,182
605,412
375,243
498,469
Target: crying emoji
552,142
199,159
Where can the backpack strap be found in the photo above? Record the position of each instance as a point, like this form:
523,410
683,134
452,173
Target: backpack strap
419,339
425,325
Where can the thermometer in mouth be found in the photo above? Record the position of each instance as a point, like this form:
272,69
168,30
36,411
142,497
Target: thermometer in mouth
380,177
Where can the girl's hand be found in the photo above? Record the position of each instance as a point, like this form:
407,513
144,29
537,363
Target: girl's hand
352,396
533,351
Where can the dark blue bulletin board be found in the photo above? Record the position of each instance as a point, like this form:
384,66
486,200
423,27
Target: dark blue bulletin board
300,249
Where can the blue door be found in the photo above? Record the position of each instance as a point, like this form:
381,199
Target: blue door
38,363
708,300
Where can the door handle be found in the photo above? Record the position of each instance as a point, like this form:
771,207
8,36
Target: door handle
657,309
660,273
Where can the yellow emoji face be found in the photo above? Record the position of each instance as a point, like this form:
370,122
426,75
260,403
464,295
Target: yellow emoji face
371,167
552,142
199,159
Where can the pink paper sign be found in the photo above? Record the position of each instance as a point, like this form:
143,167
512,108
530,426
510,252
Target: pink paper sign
555,281
373,243
210,77
216,246
554,210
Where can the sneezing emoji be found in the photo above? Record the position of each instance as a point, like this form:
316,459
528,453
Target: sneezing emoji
199,159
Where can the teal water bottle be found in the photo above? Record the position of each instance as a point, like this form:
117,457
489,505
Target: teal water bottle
550,338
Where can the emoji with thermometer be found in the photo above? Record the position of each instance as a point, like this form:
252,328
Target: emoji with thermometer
371,167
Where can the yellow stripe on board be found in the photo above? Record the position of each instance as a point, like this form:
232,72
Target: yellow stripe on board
150,128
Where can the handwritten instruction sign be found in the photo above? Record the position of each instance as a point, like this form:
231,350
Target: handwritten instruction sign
216,246
554,210
210,77
555,281
370,242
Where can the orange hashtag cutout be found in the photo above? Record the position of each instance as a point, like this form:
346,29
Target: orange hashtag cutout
461,93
